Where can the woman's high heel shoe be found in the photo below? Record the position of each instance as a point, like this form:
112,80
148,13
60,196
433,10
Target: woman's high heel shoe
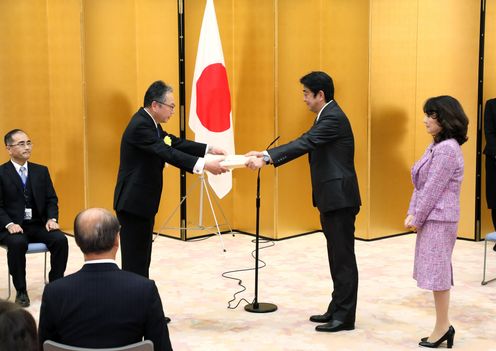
449,336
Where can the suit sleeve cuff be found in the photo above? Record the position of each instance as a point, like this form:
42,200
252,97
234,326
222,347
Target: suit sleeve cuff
199,166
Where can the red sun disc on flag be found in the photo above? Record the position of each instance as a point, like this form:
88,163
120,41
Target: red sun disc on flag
213,100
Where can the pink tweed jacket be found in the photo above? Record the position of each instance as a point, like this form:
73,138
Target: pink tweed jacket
437,178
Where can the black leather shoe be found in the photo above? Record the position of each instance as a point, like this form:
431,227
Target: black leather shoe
22,298
449,337
494,247
334,326
167,320
321,318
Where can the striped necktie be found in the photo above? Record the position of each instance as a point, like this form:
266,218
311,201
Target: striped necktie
22,173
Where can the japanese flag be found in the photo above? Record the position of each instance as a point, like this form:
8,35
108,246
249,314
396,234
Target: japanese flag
210,115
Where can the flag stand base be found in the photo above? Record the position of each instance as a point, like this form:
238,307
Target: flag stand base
203,187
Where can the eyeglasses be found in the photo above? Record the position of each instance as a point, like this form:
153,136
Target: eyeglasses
172,107
23,144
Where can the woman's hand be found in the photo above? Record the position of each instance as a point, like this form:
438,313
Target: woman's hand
408,223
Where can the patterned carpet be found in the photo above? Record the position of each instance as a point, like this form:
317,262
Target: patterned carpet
393,314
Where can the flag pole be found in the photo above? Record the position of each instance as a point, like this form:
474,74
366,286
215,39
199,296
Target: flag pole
183,227
182,112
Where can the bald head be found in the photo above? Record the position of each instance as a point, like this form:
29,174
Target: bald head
95,230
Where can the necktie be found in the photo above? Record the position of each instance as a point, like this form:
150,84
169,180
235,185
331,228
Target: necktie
22,173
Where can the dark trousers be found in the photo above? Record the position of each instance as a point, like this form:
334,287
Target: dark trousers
493,216
339,229
17,245
490,183
136,242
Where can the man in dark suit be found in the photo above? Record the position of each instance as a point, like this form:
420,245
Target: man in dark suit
145,148
28,213
101,306
490,152
330,147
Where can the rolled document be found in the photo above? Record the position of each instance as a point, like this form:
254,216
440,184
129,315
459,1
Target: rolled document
234,161
230,161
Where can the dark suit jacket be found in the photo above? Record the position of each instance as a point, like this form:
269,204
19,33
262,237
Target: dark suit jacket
12,195
143,155
102,306
330,147
490,127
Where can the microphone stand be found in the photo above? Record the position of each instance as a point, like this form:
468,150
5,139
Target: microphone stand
259,307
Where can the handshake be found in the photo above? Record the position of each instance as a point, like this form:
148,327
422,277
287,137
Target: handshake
217,161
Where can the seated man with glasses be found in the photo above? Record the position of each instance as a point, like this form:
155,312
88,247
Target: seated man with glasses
28,213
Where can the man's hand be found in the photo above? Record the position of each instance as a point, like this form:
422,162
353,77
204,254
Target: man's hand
214,167
255,160
408,223
255,163
217,151
51,225
15,229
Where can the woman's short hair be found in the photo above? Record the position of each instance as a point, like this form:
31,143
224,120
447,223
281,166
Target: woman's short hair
450,116
17,328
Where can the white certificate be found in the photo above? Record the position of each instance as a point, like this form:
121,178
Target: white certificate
234,161
230,161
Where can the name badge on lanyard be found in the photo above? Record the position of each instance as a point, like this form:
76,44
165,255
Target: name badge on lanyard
28,212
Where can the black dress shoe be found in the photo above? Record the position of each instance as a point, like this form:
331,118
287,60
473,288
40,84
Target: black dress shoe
449,337
321,318
167,320
335,326
22,298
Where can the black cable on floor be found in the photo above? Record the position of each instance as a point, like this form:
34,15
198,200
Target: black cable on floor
240,281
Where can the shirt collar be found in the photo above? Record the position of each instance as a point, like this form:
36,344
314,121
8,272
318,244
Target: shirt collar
103,260
323,107
156,126
17,166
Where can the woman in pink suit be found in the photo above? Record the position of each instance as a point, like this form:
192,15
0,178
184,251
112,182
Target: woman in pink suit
435,208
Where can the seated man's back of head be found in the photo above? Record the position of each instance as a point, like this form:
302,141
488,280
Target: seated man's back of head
100,305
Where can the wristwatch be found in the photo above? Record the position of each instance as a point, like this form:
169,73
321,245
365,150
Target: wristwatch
266,158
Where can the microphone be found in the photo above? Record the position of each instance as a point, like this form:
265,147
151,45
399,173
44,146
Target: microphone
272,143
259,307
